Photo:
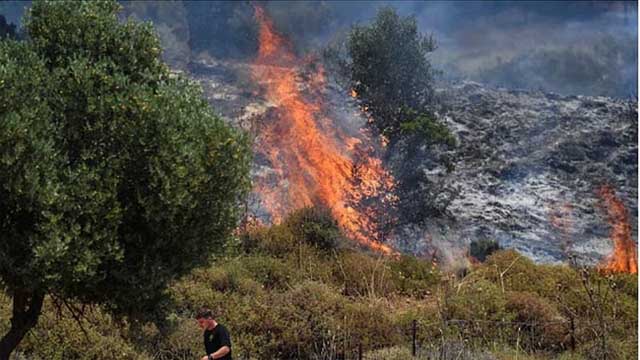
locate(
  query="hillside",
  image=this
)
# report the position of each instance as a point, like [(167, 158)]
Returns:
[(527, 170)]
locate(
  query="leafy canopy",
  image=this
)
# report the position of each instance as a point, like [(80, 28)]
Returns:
[(115, 175), (389, 69)]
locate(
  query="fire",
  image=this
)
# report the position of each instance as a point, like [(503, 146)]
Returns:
[(624, 257), (311, 157)]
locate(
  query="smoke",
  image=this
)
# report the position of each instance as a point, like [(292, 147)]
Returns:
[(568, 47)]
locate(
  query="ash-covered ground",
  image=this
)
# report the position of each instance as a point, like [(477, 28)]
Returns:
[(526, 170)]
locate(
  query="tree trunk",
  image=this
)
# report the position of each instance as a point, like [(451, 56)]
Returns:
[(26, 310)]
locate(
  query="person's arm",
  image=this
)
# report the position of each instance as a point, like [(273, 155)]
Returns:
[(220, 352)]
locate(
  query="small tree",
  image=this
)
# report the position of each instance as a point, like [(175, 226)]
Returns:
[(389, 69), (115, 177)]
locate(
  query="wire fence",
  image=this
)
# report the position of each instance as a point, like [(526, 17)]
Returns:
[(463, 340)]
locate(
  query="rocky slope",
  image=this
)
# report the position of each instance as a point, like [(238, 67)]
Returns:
[(526, 171)]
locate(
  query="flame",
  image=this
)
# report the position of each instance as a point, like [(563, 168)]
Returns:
[(310, 155), (624, 257)]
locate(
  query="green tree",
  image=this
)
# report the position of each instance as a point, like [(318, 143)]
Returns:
[(389, 69), (115, 176)]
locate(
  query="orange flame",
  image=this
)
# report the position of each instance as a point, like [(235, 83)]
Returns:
[(311, 156), (624, 257)]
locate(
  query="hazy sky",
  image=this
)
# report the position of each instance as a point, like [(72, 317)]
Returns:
[(572, 47)]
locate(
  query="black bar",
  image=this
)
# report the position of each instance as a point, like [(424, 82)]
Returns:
[(413, 331)]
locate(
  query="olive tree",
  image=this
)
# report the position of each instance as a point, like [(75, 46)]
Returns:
[(115, 175)]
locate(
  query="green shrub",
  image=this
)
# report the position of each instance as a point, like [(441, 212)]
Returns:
[(414, 276), (475, 309), (59, 336), (277, 240), (370, 323), (272, 273), (426, 128), (315, 226), (310, 315), (512, 271), (359, 274)]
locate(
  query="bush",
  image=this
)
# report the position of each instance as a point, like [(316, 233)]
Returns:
[(414, 276), (369, 323), (542, 328), (519, 273), (277, 240), (310, 317), (270, 272), (359, 274), (481, 249), (315, 226), (476, 310), (426, 129)]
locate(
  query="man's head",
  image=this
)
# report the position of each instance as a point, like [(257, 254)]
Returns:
[(205, 318)]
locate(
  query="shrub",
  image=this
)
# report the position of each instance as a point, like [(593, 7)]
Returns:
[(277, 240), (315, 226), (272, 273), (370, 324), (512, 271), (542, 326), (359, 274), (476, 309), (414, 276), (482, 248), (310, 317)]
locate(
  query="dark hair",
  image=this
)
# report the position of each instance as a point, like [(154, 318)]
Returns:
[(204, 313)]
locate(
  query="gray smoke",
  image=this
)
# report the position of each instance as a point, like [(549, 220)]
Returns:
[(568, 47)]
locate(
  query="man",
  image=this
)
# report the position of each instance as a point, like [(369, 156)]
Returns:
[(217, 342)]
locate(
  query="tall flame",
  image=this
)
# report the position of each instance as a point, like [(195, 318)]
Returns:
[(624, 257), (312, 158)]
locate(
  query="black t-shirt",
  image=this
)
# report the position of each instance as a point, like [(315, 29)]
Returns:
[(217, 338)]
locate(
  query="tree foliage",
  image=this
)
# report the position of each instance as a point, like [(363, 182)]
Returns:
[(389, 69), (115, 176)]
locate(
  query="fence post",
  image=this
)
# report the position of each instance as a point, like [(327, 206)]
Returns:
[(413, 336), (360, 351), (573, 335)]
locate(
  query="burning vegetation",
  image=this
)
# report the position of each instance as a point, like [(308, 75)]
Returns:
[(315, 162), (624, 258)]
